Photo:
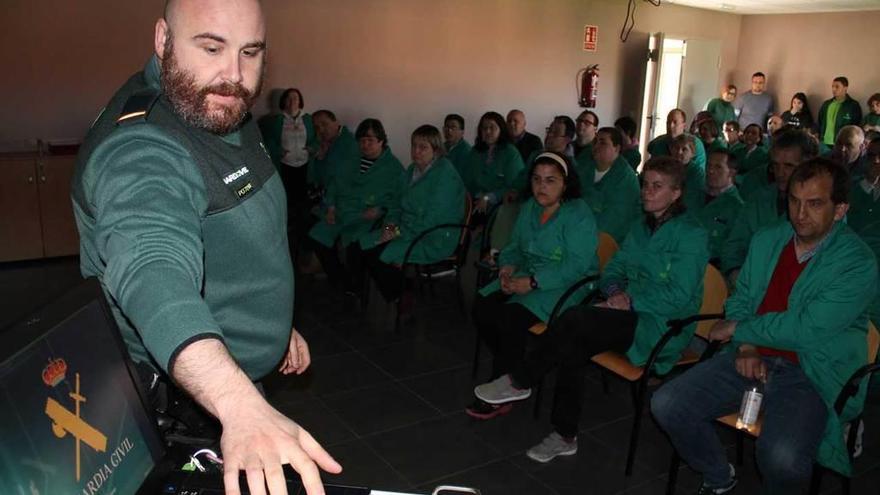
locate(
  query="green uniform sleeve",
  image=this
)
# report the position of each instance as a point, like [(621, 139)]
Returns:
[(148, 211), (814, 323), (622, 204), (734, 250), (675, 285), (511, 168), (579, 251), (512, 254), (444, 204)]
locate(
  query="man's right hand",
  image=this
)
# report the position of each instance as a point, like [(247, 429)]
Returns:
[(256, 438), (749, 363)]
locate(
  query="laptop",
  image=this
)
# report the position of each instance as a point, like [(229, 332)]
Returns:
[(73, 418)]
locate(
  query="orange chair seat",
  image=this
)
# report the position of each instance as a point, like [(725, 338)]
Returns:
[(619, 365), (730, 420)]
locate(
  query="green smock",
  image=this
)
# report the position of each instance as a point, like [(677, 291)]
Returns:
[(759, 210), (344, 152), (493, 178), (717, 217), (615, 199)]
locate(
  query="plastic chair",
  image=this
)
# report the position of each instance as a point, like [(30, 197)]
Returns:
[(849, 390)]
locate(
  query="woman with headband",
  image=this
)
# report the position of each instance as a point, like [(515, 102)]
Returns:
[(657, 275), (553, 245)]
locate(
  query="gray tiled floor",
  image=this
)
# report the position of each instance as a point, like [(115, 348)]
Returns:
[(389, 406)]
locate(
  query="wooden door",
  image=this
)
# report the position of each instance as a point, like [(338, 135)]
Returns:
[(20, 234), (60, 236)]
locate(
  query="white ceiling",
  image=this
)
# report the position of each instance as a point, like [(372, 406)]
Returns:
[(779, 6)]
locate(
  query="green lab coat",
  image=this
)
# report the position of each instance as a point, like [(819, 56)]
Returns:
[(352, 192), (659, 146), (721, 111), (663, 275), (459, 155), (343, 154), (864, 218), (436, 198), (615, 200), (825, 323), (717, 217), (558, 253), (758, 211), (493, 178), (632, 156), (694, 185), (751, 172)]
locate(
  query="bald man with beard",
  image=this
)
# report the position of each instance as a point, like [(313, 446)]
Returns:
[(181, 217)]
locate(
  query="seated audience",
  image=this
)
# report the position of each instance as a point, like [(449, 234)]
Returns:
[(849, 150), (752, 158), (494, 164), (656, 275), (630, 150), (766, 206), (774, 123), (587, 124), (722, 108), (708, 133), (430, 193), (337, 149), (732, 134), (683, 149), (458, 149), (609, 185), (526, 142), (872, 118), (864, 211), (838, 111), (358, 195), (676, 121), (721, 203), (798, 325), (798, 114), (553, 245)]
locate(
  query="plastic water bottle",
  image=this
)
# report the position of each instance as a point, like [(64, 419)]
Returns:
[(750, 407)]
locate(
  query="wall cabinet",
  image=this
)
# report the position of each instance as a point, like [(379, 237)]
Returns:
[(35, 206)]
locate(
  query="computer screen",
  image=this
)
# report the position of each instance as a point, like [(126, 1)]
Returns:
[(71, 417)]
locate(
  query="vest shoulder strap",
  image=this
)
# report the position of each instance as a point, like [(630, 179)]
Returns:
[(138, 106)]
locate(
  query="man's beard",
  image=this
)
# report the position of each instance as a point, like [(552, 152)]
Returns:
[(190, 102)]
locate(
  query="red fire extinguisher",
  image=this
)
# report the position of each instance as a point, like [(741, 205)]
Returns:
[(588, 86)]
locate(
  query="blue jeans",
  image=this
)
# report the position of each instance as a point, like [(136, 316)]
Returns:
[(794, 420)]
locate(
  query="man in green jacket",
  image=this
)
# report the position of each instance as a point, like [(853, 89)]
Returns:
[(676, 122), (609, 185), (838, 111), (864, 211), (722, 108), (337, 149), (458, 149), (767, 205), (798, 325), (722, 202), (181, 217)]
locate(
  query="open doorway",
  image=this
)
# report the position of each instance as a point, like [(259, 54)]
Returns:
[(680, 73)]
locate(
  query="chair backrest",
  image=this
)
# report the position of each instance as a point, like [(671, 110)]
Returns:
[(873, 342), (714, 295), (464, 238), (607, 248)]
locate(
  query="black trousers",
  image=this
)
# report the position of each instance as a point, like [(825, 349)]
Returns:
[(504, 328), (389, 278), (579, 334), (347, 276)]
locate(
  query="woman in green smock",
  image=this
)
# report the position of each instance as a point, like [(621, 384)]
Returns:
[(683, 148), (553, 246), (754, 161), (657, 275), (494, 164), (431, 193), (357, 197)]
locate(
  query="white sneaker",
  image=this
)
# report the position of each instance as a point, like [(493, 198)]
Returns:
[(551, 447), (501, 391)]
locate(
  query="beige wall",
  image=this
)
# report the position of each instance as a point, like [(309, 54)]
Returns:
[(406, 62), (805, 52)]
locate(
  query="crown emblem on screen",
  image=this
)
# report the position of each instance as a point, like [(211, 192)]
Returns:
[(54, 372)]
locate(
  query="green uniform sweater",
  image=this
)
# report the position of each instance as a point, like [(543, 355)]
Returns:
[(721, 111), (663, 274), (438, 197), (717, 217), (352, 192), (615, 200), (459, 155), (557, 253), (850, 113), (825, 323), (760, 210), (495, 177), (343, 154), (186, 230)]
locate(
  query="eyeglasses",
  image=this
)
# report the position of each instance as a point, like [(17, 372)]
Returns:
[(586, 121)]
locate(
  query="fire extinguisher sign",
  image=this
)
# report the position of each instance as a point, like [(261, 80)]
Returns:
[(591, 38)]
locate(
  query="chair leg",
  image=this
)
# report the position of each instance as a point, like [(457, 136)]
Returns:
[(639, 398), (539, 392), (672, 477), (459, 292), (816, 479)]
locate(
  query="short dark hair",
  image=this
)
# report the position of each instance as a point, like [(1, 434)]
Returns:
[(324, 113), (759, 74), (675, 170), (816, 167), (734, 124), (757, 126), (456, 117), (503, 136), (432, 135), (713, 127), (684, 115), (731, 87), (566, 121), (732, 161), (590, 112), (628, 125), (842, 80), (572, 181), (374, 125), (614, 133), (873, 99), (796, 138), (285, 97)]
